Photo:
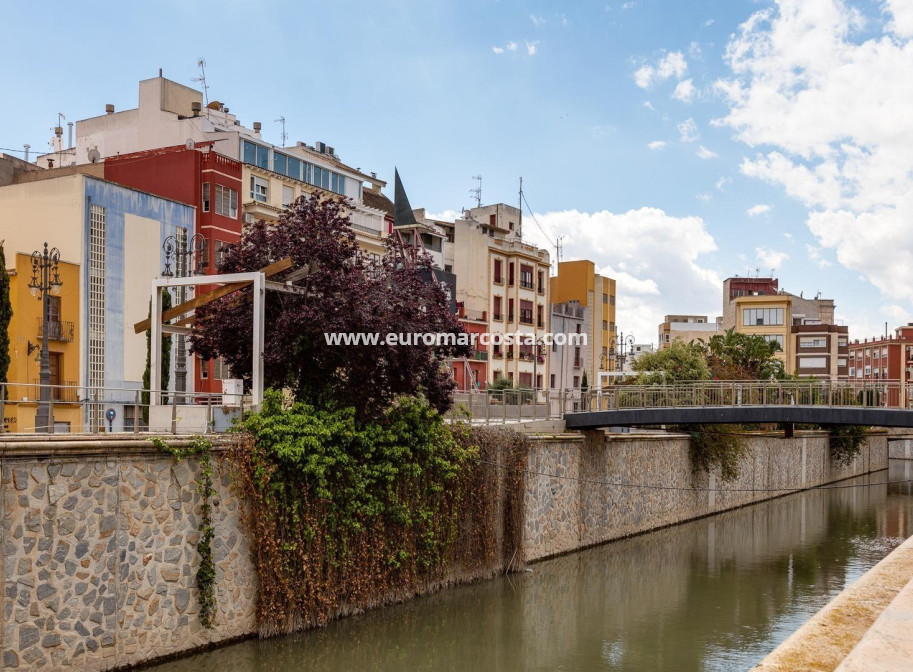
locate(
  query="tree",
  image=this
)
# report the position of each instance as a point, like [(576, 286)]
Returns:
[(6, 314), (344, 294), (735, 356), (584, 385), (680, 362), (165, 358)]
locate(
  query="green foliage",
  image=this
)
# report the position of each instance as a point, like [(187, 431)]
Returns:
[(500, 383), (345, 512), (680, 362), (715, 447), (584, 384), (206, 573), (735, 356), (165, 358), (6, 314), (846, 442)]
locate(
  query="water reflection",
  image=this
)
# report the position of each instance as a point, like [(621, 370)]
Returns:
[(714, 594)]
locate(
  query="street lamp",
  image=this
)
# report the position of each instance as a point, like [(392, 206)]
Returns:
[(45, 281), (622, 352), (193, 249)]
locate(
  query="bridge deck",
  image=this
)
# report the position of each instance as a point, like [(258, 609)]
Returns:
[(825, 415)]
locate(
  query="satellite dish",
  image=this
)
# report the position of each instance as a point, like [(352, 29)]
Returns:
[(190, 144), (94, 155)]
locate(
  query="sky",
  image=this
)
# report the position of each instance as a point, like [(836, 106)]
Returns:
[(672, 143)]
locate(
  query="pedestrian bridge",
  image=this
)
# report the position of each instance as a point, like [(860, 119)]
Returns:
[(820, 402)]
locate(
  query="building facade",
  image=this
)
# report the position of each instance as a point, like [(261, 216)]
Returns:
[(879, 360), (687, 328), (566, 361), (114, 235), (578, 281)]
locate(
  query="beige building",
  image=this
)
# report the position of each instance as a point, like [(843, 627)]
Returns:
[(578, 281), (770, 317), (687, 328), (504, 282)]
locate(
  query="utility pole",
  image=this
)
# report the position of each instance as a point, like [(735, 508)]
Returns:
[(41, 286)]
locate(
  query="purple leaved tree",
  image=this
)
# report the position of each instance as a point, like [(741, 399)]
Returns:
[(344, 294)]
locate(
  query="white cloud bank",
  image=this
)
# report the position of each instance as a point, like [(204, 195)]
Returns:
[(770, 258), (758, 209), (671, 65), (830, 112), (656, 144), (654, 256)]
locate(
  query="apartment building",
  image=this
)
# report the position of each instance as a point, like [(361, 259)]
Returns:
[(885, 359), (687, 328), (566, 361), (578, 281)]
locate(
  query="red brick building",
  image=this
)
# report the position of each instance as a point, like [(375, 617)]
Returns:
[(471, 373), (211, 182), (885, 359)]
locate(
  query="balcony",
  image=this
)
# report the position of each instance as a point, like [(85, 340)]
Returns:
[(480, 356), (65, 392), (498, 317), (57, 331), (526, 284)]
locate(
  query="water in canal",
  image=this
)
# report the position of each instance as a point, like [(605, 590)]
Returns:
[(714, 594)]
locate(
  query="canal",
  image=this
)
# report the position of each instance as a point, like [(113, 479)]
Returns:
[(714, 594)]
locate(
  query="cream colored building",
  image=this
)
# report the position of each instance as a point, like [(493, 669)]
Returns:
[(171, 114), (769, 316), (503, 281), (687, 328)]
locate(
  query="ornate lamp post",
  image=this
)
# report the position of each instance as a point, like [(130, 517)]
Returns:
[(622, 351), (45, 281), (192, 250)]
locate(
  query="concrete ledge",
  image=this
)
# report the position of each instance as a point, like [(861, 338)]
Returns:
[(824, 641)]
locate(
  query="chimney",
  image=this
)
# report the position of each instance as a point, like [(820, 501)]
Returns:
[(195, 107), (27, 147), (257, 127), (109, 108), (69, 134)]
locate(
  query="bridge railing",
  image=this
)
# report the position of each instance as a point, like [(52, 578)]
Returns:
[(885, 394)]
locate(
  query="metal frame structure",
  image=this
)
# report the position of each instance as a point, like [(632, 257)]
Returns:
[(257, 278)]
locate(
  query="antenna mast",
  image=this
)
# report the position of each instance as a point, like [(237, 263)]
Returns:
[(477, 192), (281, 120), (520, 204), (202, 78)]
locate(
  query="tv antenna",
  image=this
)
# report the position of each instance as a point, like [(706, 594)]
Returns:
[(477, 192), (281, 120), (201, 64)]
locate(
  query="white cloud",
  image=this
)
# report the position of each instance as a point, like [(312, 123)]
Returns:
[(759, 209), (511, 46), (705, 153), (497, 50), (770, 258), (901, 12), (532, 48), (628, 5), (445, 215), (684, 91), (722, 182), (694, 51), (814, 254), (704, 197), (709, 22), (688, 130), (656, 144), (537, 19), (659, 270), (649, 106), (671, 65), (788, 236), (831, 110)]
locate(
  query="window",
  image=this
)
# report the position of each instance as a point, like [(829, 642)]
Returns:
[(249, 152), (551, 381), (497, 308), (294, 168), (510, 274), (498, 277), (611, 326), (526, 276), (259, 189), (760, 317), (280, 163), (612, 300), (605, 325), (539, 281), (813, 342), (263, 156), (526, 312), (204, 368), (510, 310), (540, 321), (605, 298), (226, 202), (576, 356), (220, 369), (492, 220), (221, 250), (841, 362), (813, 362), (773, 337), (288, 195), (576, 382), (206, 197)]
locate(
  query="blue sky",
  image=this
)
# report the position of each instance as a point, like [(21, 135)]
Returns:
[(674, 143)]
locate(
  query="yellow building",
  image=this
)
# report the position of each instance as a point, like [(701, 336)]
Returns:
[(769, 316), (26, 328), (579, 281)]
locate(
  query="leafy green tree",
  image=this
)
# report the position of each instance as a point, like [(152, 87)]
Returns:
[(584, 384), (6, 314), (680, 362), (165, 358), (735, 356)]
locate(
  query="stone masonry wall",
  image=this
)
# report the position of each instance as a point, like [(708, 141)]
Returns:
[(99, 558), (570, 504)]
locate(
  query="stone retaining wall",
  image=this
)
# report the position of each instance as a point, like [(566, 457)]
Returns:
[(584, 490), (900, 450)]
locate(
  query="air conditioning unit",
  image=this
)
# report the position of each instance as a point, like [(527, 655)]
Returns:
[(249, 218), (321, 147), (232, 392)]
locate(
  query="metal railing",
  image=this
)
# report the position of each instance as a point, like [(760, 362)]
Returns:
[(78, 409), (514, 405), (868, 394), (58, 330)]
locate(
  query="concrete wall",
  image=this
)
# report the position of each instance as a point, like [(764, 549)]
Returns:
[(900, 450), (569, 504)]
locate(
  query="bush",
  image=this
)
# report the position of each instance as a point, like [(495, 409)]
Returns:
[(714, 448), (845, 442)]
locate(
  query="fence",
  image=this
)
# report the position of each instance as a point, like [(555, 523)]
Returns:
[(76, 409)]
